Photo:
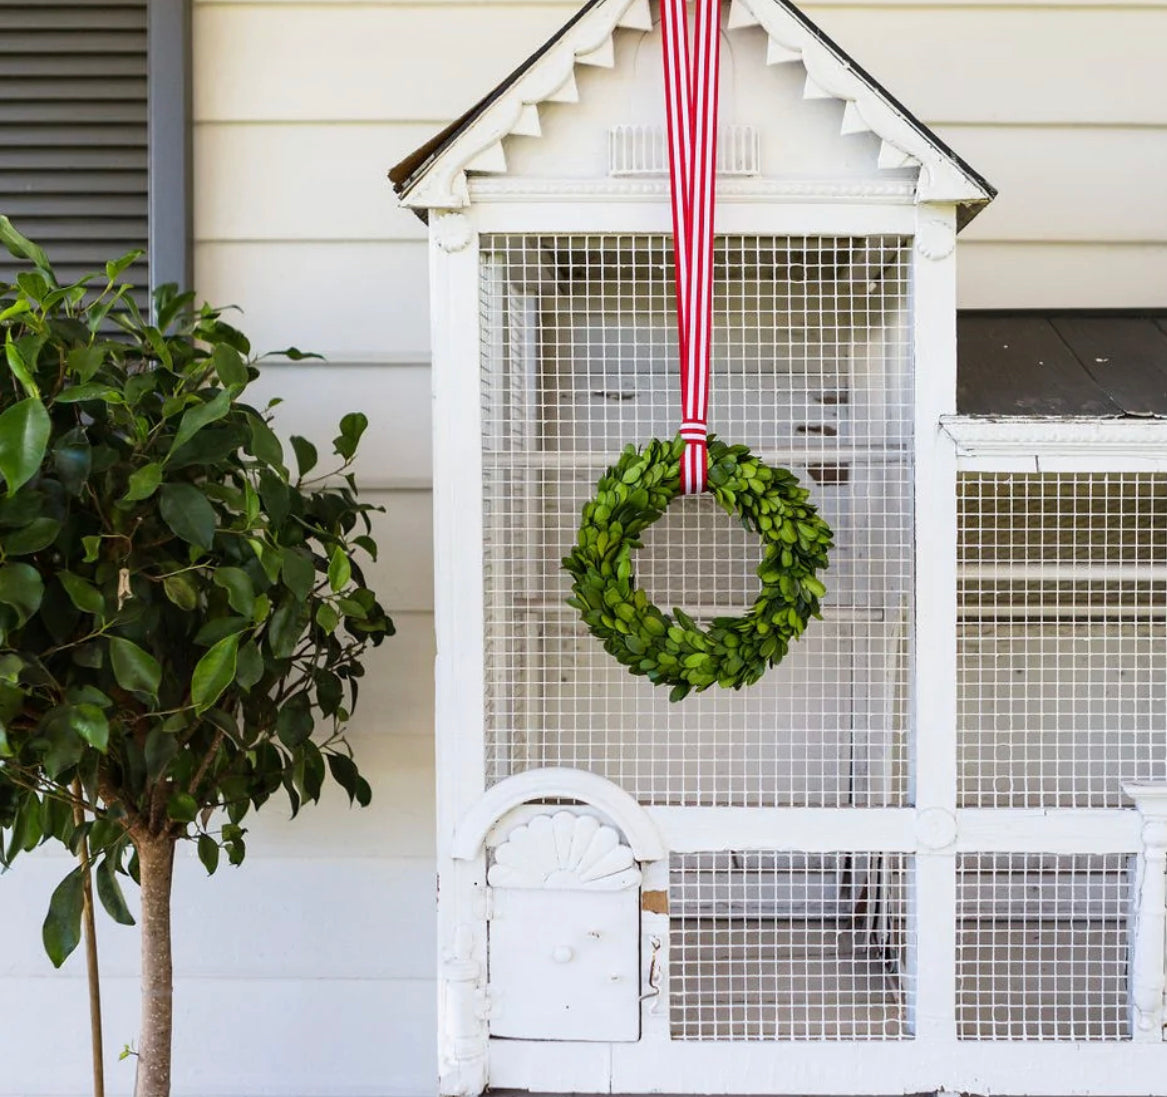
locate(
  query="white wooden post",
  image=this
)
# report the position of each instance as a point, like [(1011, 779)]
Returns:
[(934, 651), (1148, 973), (459, 671)]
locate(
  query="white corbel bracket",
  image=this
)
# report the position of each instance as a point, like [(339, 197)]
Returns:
[(1149, 965), (558, 783)]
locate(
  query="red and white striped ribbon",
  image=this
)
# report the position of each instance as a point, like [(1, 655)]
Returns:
[(691, 106)]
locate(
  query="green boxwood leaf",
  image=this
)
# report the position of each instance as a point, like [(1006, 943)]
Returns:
[(24, 437), (62, 928), (214, 672), (189, 514), (135, 670), (22, 588), (240, 592), (143, 483), (109, 891), (82, 593)]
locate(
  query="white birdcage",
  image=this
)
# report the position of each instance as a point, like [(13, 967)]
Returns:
[(901, 862)]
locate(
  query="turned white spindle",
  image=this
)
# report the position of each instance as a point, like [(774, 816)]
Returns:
[(1148, 973)]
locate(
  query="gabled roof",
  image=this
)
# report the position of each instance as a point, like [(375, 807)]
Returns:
[(434, 176)]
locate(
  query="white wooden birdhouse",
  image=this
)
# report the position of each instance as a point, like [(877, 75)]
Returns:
[(633, 888)]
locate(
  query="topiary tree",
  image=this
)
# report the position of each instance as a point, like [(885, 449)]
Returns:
[(182, 620)]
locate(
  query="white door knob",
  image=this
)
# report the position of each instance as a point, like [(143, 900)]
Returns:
[(562, 954)]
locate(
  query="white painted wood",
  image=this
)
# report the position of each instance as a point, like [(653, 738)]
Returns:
[(1040, 274), (934, 645), (458, 609), (339, 300), (1014, 62), (556, 783), (1148, 977), (1058, 445)]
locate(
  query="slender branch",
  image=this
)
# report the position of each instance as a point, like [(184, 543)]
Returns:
[(91, 965), (205, 764)]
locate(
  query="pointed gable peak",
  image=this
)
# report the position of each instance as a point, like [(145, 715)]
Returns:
[(434, 177)]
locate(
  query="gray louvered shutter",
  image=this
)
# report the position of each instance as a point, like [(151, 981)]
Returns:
[(73, 131)]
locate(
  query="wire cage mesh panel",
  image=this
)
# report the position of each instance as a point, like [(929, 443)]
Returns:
[(811, 368), (789, 946), (1042, 946), (1063, 646)]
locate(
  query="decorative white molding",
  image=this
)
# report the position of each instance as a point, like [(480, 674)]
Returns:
[(558, 783), (463, 1067), (564, 851), (442, 183), (1078, 439), (1149, 955), (655, 190), (451, 230), (935, 239), (639, 150)]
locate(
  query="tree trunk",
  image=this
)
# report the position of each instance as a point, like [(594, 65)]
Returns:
[(156, 871)]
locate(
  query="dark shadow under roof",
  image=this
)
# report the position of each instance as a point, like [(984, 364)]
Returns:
[(1062, 363)]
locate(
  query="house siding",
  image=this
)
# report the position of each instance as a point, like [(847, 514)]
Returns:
[(310, 970)]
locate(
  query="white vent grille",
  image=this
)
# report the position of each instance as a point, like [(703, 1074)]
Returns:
[(643, 150), (1063, 647), (811, 366), (1042, 946), (789, 946)]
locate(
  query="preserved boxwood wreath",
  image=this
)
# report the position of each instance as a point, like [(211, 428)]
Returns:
[(671, 649)]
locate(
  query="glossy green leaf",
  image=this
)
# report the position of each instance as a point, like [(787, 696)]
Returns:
[(109, 891), (89, 722), (143, 483), (189, 514), (24, 438), (22, 588), (62, 927), (92, 390), (182, 807), (114, 267), (264, 444), (208, 853), (73, 460), (285, 628), (327, 617), (23, 248), (214, 672), (182, 590), (306, 455), (344, 773), (37, 535), (340, 570), (299, 573), (82, 593), (352, 426), (229, 366), (21, 369), (199, 416), (85, 361), (240, 592), (135, 670), (249, 666)]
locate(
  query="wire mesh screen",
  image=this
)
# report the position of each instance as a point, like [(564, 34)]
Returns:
[(1063, 646), (1042, 946), (811, 368), (789, 946)]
